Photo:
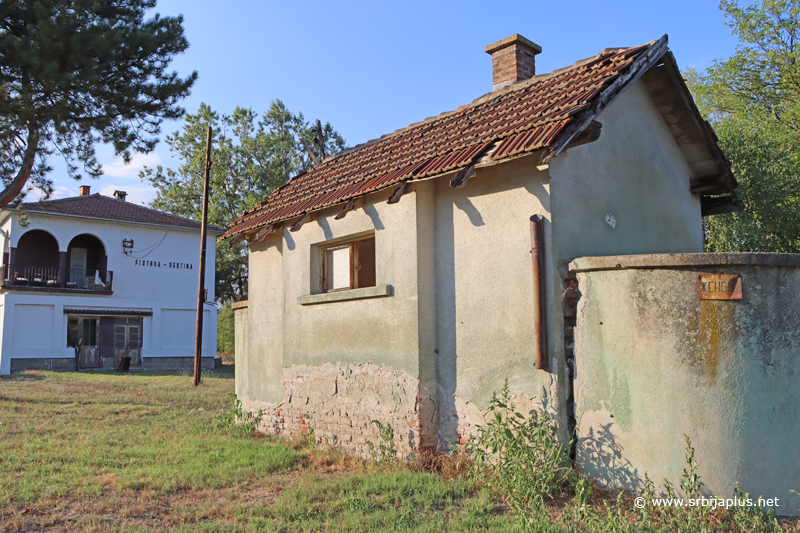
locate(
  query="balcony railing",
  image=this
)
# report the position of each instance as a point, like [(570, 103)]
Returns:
[(38, 278)]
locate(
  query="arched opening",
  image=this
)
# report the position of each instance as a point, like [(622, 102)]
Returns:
[(35, 260), (87, 262)]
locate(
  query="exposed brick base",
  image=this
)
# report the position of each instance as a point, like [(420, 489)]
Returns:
[(571, 296), (459, 419), (339, 403)]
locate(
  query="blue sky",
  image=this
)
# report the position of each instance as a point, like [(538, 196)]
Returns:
[(370, 68)]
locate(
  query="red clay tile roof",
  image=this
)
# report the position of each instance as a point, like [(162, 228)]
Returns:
[(107, 208), (525, 117)]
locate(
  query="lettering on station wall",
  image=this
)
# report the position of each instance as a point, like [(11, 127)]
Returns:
[(166, 264), (720, 287)]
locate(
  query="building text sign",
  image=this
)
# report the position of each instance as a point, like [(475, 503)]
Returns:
[(159, 264), (720, 287)]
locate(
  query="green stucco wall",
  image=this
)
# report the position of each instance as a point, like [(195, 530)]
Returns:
[(637, 174), (484, 284), (240, 336), (654, 363)]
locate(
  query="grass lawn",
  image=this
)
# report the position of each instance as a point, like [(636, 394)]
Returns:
[(101, 451)]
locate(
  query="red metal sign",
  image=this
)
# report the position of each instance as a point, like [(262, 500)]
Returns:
[(720, 286)]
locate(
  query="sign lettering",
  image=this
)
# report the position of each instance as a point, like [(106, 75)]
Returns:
[(158, 264), (720, 287)]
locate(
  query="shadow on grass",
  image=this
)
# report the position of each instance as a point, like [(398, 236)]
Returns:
[(222, 372), (22, 376)]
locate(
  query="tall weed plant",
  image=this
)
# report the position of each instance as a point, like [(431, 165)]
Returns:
[(386, 453), (521, 456), (237, 420)]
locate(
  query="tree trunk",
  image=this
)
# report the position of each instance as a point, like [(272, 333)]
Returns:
[(13, 189)]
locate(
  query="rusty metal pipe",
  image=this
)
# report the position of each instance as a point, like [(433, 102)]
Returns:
[(539, 323)]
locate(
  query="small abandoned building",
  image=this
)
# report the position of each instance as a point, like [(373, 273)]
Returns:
[(404, 280), (99, 279)]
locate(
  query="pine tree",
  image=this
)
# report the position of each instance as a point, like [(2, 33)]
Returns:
[(74, 73)]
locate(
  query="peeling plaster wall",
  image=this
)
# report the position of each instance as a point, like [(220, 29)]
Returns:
[(434, 242), (655, 363), (338, 403), (635, 173), (394, 332)]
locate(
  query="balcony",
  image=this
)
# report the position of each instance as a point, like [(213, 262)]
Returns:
[(53, 279)]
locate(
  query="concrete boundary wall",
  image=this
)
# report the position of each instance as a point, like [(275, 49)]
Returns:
[(655, 362)]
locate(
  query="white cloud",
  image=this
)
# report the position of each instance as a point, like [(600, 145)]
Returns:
[(59, 191), (117, 168)]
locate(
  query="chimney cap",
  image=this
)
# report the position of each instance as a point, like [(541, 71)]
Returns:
[(84, 190), (120, 195), (514, 39)]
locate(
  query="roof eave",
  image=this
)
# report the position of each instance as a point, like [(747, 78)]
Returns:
[(114, 220)]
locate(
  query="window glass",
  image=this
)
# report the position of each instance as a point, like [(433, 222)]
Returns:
[(127, 333), (89, 332), (339, 268)]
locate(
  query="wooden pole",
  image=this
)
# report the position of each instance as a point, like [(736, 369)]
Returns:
[(308, 149), (201, 293), (321, 140)]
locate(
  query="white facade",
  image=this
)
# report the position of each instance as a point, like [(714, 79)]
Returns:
[(156, 279)]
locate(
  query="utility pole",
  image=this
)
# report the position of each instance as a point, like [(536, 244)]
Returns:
[(201, 292)]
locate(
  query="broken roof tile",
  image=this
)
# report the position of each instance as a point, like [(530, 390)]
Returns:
[(523, 117)]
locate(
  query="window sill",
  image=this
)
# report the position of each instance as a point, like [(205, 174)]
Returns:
[(378, 291)]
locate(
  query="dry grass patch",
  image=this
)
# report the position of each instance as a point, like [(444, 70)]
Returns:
[(100, 451)]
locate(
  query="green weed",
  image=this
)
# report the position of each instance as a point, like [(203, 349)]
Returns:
[(237, 420), (521, 456), (386, 452)]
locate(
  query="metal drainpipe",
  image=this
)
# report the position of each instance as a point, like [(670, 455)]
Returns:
[(539, 331)]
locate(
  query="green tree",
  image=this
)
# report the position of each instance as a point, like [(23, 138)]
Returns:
[(251, 156), (78, 72), (752, 100), (226, 329)]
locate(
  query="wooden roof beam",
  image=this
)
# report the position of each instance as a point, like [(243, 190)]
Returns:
[(589, 135), (641, 65), (236, 240), (711, 184), (308, 217), (462, 176), (719, 204), (399, 192), (263, 232), (349, 206)]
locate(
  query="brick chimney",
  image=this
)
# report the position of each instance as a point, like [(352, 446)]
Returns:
[(120, 195), (512, 60), (84, 190)]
